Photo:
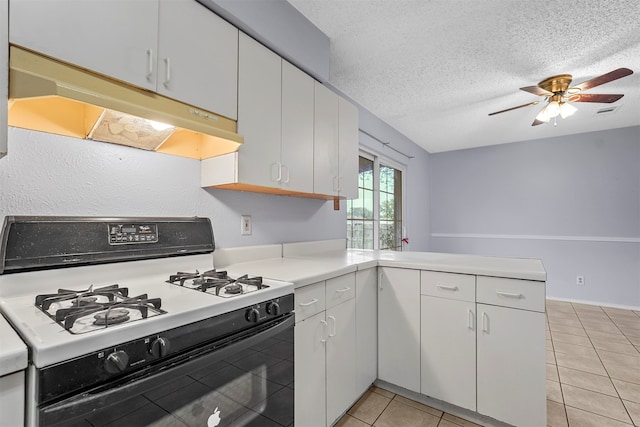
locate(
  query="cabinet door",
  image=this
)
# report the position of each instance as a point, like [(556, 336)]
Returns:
[(366, 329), (511, 365), (341, 359), (448, 350), (297, 129), (4, 67), (325, 141), (399, 327), (197, 57), (348, 146), (117, 38), (259, 113), (309, 371)]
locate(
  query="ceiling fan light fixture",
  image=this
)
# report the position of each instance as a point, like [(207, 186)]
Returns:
[(553, 109), (567, 110), (543, 115)]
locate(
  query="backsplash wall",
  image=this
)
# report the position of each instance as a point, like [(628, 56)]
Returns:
[(46, 174)]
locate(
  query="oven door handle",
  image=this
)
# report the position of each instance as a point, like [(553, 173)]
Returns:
[(100, 397)]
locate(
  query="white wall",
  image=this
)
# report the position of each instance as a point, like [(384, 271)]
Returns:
[(572, 201), (45, 174)]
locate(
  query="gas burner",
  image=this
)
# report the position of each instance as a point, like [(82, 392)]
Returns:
[(91, 309), (197, 279), (233, 288), (111, 317), (83, 301), (217, 282)]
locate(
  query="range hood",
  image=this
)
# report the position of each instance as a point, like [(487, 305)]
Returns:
[(51, 96)]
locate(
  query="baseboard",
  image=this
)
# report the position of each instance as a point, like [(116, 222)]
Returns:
[(459, 412), (601, 304)]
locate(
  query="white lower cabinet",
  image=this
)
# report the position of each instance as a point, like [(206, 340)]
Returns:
[(448, 350), (325, 351), (511, 365), (399, 327), (310, 380), (366, 328)]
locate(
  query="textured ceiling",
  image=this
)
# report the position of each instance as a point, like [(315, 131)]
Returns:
[(434, 69)]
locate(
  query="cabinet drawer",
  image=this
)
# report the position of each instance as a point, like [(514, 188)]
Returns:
[(309, 300), (523, 294), (448, 285), (341, 289)]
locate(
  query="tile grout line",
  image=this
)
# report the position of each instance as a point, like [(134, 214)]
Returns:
[(603, 365)]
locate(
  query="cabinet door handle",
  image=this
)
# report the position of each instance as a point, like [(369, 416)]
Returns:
[(167, 71), (340, 183), (333, 334), (306, 304), (340, 291), (447, 288), (336, 187), (485, 322), (325, 330), (286, 169), (149, 64), (470, 319), (509, 294), (380, 278)]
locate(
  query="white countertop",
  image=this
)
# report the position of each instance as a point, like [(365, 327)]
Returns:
[(311, 268), (13, 352)]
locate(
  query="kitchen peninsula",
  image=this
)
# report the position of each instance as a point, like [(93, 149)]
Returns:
[(462, 333)]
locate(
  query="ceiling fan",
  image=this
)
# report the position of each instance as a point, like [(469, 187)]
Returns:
[(558, 94)]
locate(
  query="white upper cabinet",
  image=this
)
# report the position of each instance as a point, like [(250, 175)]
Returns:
[(276, 118), (335, 151), (325, 146), (4, 59), (174, 47), (297, 130), (348, 149), (259, 113), (117, 38), (197, 59)]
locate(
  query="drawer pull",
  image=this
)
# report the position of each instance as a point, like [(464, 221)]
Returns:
[(333, 334), (509, 294), (306, 304), (325, 330), (340, 291), (447, 288)]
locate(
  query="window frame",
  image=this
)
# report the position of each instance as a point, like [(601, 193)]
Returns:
[(378, 159)]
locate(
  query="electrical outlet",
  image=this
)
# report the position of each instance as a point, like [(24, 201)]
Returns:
[(580, 280), (245, 225)]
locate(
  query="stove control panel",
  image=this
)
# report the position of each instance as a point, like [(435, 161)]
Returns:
[(125, 234)]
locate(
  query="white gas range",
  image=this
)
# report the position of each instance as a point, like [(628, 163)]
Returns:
[(139, 305)]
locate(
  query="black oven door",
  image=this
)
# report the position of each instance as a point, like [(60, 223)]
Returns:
[(248, 382)]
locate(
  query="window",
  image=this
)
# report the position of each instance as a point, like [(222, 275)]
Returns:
[(374, 219)]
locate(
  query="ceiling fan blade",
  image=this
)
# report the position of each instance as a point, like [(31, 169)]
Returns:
[(514, 108), (536, 90), (537, 122), (593, 97), (605, 78)]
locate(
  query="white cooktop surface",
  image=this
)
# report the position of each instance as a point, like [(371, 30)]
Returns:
[(51, 343)]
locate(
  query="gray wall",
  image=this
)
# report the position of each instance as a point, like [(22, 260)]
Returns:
[(45, 174), (572, 201)]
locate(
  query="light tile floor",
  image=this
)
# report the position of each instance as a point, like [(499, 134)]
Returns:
[(593, 376)]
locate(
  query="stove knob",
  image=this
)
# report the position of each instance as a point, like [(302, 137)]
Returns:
[(273, 308), (253, 315), (116, 362), (159, 347)]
